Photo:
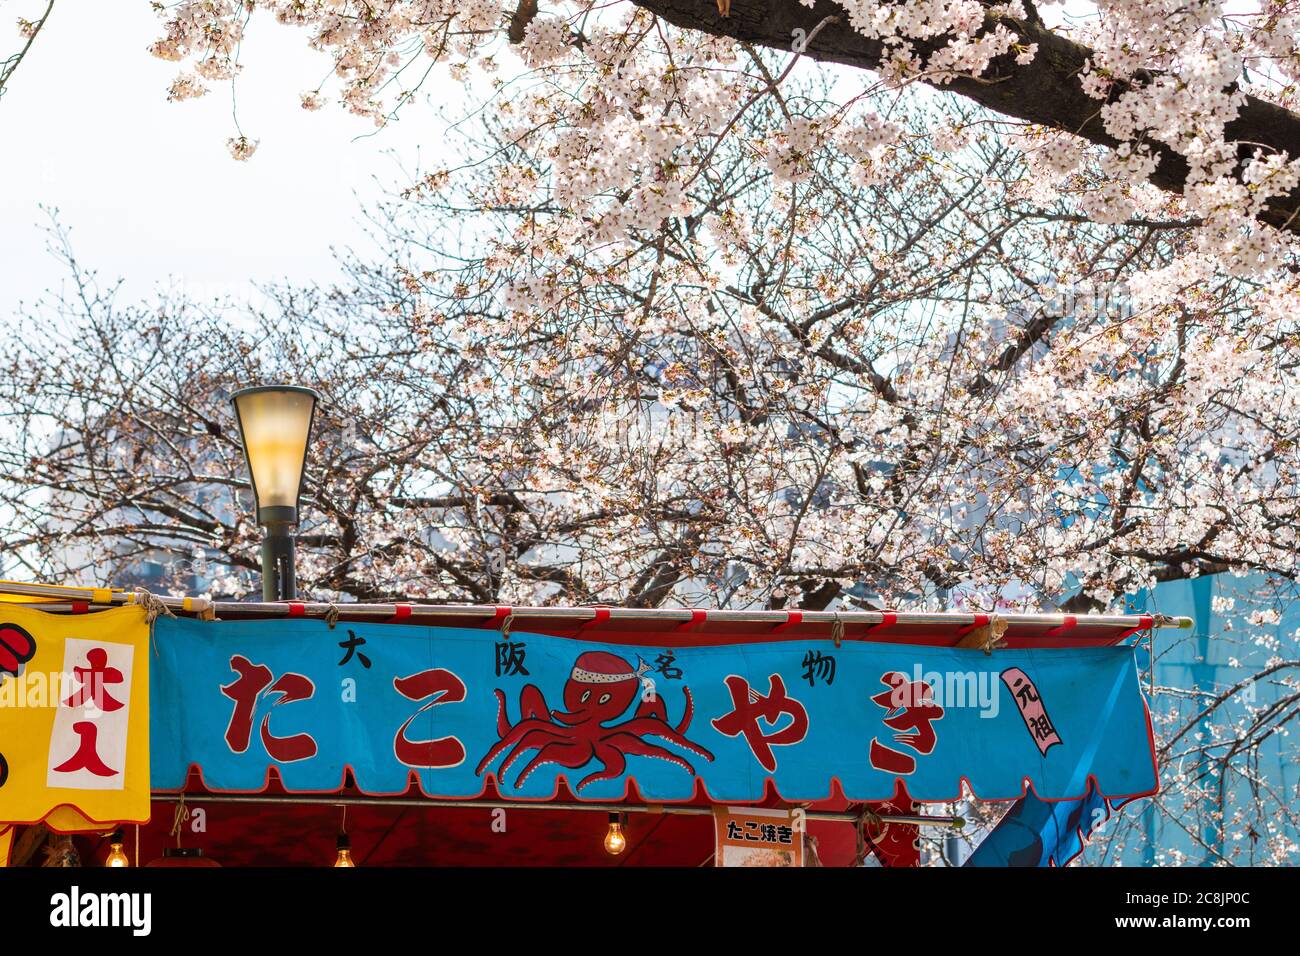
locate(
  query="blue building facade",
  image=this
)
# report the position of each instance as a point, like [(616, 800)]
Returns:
[(1222, 802)]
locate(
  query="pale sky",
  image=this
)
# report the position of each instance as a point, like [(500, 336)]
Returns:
[(148, 187)]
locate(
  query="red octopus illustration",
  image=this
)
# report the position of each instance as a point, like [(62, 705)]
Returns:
[(600, 689)]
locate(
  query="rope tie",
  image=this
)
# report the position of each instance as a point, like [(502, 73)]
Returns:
[(154, 607), (178, 820), (987, 637), (872, 823), (332, 615), (505, 625), (867, 819), (837, 630), (996, 628), (810, 855)]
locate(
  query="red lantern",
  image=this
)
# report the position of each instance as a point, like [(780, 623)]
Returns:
[(183, 856)]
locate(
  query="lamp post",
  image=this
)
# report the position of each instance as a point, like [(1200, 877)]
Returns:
[(275, 426)]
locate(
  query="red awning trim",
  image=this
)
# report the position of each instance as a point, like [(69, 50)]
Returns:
[(791, 619), (602, 615), (563, 792), (1146, 623), (980, 621), (289, 831), (1069, 624), (684, 627), (887, 619), (698, 617)]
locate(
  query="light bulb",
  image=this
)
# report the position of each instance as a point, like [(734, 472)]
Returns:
[(345, 852), (116, 858), (615, 841)]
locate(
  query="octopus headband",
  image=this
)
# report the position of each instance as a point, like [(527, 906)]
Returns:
[(591, 677)]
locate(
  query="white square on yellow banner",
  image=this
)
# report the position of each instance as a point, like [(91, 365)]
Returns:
[(91, 725)]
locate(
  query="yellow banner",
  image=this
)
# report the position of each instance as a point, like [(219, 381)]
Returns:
[(74, 718)]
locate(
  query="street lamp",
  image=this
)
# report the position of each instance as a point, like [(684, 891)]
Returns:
[(275, 425)]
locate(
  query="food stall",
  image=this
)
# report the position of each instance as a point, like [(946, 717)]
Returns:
[(190, 732)]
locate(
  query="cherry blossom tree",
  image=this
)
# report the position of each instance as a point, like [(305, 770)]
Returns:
[(1193, 98), (613, 134), (822, 378)]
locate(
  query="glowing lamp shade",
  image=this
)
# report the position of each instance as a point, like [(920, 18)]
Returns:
[(275, 424)]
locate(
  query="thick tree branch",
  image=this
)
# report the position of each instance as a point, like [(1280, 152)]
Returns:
[(1045, 91), (524, 14)]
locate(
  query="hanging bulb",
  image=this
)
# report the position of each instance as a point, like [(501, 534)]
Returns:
[(615, 841), (344, 844), (116, 857), (345, 852)]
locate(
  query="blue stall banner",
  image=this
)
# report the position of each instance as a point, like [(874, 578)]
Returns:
[(1045, 833), (455, 706)]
